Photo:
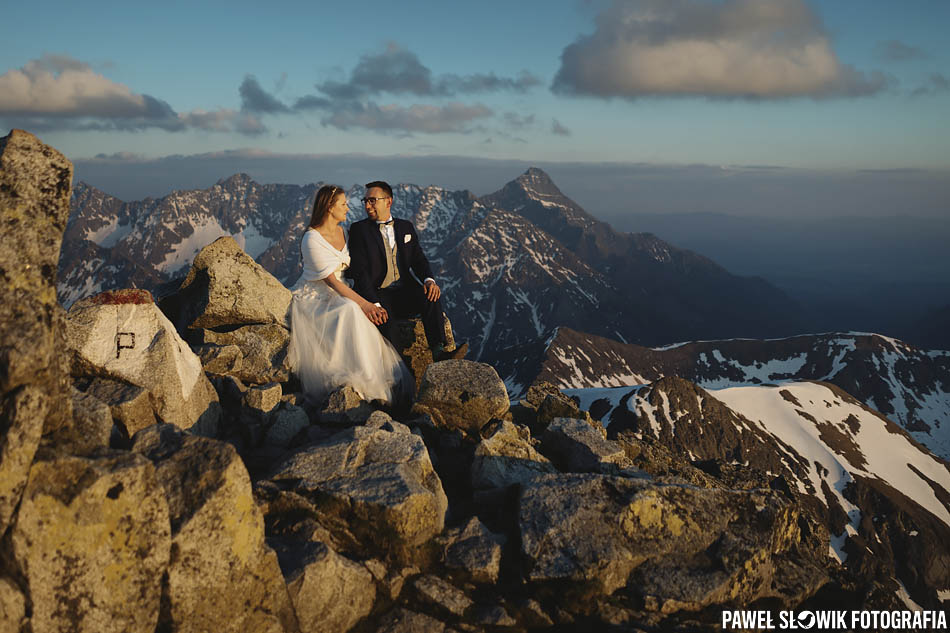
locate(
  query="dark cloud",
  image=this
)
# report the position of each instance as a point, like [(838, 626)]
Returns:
[(399, 71), (312, 102), (453, 84), (558, 129), (57, 92), (897, 51), (396, 70), (936, 84), (755, 49), (256, 99)]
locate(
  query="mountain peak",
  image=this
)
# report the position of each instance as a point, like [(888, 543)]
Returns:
[(237, 179), (537, 181), (535, 175), (533, 185)]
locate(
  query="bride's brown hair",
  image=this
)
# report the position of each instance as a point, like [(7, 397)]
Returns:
[(321, 205)]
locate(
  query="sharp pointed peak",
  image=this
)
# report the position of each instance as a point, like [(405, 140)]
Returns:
[(534, 182), (535, 173), (237, 179)]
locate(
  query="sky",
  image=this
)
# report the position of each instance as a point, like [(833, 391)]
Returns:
[(729, 106)]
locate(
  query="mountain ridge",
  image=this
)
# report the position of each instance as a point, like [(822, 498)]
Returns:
[(626, 286), (909, 385)]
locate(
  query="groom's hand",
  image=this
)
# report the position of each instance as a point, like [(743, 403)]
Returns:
[(432, 290)]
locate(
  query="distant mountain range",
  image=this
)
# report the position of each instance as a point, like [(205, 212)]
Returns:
[(515, 265)]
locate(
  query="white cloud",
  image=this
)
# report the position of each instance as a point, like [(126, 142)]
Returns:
[(61, 86), (58, 92), (760, 49)]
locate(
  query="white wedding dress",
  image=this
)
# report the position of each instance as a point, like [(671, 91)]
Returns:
[(332, 343)]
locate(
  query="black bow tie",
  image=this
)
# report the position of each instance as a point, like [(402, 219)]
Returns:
[(386, 223)]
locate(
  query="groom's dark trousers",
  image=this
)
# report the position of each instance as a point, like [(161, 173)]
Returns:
[(407, 297)]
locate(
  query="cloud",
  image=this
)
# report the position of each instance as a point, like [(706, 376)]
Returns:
[(936, 84), (223, 120), (57, 92), (395, 71), (256, 99), (59, 86), (896, 51), (399, 71), (756, 49), (558, 129), (452, 117), (453, 84), (517, 121), (312, 102)]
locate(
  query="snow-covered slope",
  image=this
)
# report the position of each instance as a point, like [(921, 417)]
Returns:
[(883, 496), (909, 385)]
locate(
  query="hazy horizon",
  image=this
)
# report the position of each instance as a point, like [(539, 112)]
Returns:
[(606, 190)]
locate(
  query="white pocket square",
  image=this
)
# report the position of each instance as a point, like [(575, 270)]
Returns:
[(406, 238)]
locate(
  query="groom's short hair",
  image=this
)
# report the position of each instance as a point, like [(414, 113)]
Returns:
[(381, 185)]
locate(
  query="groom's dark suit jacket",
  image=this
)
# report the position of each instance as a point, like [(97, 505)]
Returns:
[(368, 256)]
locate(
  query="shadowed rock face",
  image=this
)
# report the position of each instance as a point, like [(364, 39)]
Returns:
[(92, 541), (330, 592), (223, 576), (382, 482), (35, 182), (594, 530)]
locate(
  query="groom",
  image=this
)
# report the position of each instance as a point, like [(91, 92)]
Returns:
[(384, 255)]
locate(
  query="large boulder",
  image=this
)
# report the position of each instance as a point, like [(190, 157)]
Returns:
[(91, 429), (223, 577), (123, 335), (507, 457), (262, 352), (462, 394), (330, 592), (442, 595), (380, 482), (92, 541), (129, 405), (405, 621), (576, 446), (12, 606), (21, 425), (473, 551), (35, 186), (226, 287), (593, 531)]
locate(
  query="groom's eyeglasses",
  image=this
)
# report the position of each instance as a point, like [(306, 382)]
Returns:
[(373, 201)]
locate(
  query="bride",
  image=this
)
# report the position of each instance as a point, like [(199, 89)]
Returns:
[(333, 339)]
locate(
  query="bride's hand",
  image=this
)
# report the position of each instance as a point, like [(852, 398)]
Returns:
[(376, 314)]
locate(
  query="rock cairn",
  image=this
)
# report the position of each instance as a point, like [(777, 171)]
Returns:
[(161, 471)]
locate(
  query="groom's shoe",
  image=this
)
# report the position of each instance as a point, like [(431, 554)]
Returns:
[(454, 354)]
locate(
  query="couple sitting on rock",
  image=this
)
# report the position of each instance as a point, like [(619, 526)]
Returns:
[(339, 333)]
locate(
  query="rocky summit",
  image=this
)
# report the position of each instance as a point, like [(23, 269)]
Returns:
[(160, 469)]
